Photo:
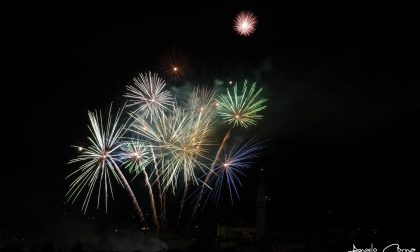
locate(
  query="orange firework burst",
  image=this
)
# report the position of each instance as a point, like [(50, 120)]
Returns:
[(176, 65), (245, 23)]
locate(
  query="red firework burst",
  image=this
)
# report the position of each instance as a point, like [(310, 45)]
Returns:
[(176, 65), (245, 23)]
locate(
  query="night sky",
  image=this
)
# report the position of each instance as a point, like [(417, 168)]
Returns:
[(342, 122)]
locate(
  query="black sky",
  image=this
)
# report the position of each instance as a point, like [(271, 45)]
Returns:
[(343, 115)]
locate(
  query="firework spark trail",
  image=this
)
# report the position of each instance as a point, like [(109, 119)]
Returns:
[(184, 196), (99, 162), (152, 200), (148, 95), (164, 221), (239, 110), (201, 101), (156, 171), (237, 157), (133, 199), (136, 158), (177, 138), (209, 174), (182, 137), (162, 197)]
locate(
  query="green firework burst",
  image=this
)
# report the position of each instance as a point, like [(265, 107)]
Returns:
[(136, 156), (241, 108)]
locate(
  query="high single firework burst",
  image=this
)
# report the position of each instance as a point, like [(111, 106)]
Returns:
[(242, 108), (148, 96), (245, 23), (176, 64), (230, 167)]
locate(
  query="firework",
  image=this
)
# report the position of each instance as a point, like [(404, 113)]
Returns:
[(236, 158), (203, 100), (202, 104), (239, 110), (209, 175), (135, 156), (189, 152), (242, 109), (151, 200), (100, 163), (148, 95), (244, 23), (176, 65), (161, 194), (181, 205), (181, 138), (169, 145)]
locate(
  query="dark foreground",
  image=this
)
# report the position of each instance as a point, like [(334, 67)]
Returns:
[(224, 238)]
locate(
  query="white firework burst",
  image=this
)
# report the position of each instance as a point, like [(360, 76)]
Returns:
[(135, 156), (148, 96), (99, 160)]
